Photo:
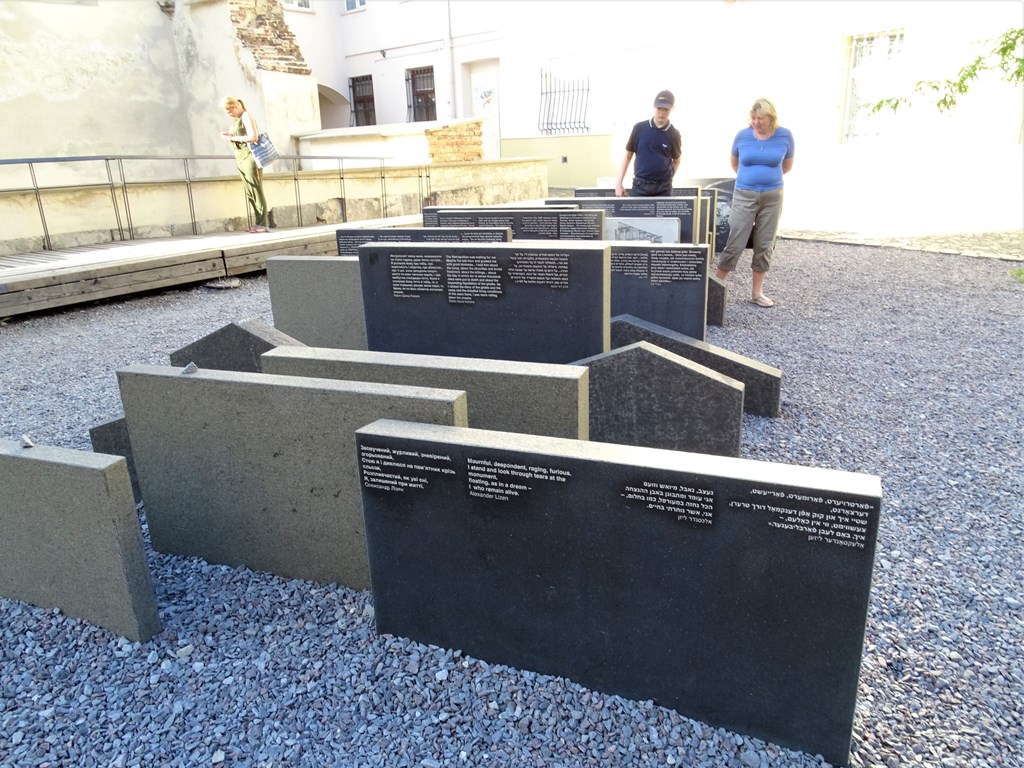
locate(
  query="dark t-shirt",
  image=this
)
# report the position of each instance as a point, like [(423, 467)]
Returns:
[(653, 150)]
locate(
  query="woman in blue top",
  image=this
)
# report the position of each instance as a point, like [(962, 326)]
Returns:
[(761, 154)]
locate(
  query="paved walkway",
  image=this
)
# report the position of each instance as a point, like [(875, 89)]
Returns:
[(1007, 244)]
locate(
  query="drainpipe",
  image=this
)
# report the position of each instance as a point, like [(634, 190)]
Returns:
[(452, 111)]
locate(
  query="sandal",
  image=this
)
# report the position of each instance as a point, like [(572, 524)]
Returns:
[(762, 301)]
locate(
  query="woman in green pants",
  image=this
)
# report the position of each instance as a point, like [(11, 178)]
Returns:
[(242, 131)]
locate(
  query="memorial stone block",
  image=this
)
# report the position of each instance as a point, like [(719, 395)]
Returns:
[(256, 470), (610, 192), (547, 223), (642, 395), (429, 212), (70, 538), (534, 398), (663, 283), (718, 293), (534, 302), (686, 209), (234, 347), (723, 189), (318, 300), (733, 591), (349, 240), (112, 438), (762, 382)]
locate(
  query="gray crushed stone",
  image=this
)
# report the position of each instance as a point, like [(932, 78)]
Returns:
[(897, 363)]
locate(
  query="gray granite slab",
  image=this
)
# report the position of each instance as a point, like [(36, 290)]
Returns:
[(257, 470), (535, 398), (70, 538), (233, 347), (318, 300)]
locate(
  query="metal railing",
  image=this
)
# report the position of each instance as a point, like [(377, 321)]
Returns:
[(118, 181)]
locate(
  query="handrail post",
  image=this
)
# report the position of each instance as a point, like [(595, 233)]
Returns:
[(124, 193), (47, 244), (113, 199), (191, 201), (298, 194)]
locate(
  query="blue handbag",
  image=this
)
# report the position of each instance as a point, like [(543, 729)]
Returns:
[(263, 150)]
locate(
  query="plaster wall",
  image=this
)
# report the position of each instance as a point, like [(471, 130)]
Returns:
[(89, 79)]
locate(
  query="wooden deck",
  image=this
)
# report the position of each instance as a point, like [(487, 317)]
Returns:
[(34, 282)]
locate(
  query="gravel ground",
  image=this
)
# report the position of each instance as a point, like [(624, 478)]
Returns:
[(897, 363)]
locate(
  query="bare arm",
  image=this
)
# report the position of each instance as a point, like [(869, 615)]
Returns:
[(623, 166), (787, 165), (734, 161)]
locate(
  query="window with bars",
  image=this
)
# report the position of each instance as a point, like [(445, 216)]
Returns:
[(563, 104), (360, 91), (874, 62), (419, 92)]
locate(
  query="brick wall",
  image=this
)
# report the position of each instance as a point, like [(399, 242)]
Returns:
[(261, 28), (456, 143)]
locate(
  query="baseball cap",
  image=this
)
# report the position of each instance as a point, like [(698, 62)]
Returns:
[(665, 99)]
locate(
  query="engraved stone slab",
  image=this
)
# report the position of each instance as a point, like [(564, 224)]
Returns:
[(547, 223), (349, 240), (429, 213), (651, 230), (259, 470), (610, 191), (318, 300), (70, 538), (642, 395), (733, 591), (762, 382), (234, 347), (535, 302), (533, 398), (686, 209), (662, 283)]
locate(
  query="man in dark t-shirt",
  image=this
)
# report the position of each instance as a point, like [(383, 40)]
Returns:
[(655, 146)]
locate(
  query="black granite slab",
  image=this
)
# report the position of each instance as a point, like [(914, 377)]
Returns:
[(686, 209), (733, 591), (763, 382), (349, 240), (663, 283), (610, 191), (641, 394), (429, 212), (536, 302), (723, 206), (529, 223)]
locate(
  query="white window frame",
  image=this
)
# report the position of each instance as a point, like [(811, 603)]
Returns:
[(352, 6), (298, 5), (874, 62)]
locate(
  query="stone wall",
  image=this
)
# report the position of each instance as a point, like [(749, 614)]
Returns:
[(262, 29), (458, 142)]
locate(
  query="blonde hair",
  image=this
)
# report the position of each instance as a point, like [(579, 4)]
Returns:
[(764, 107), (231, 101)]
